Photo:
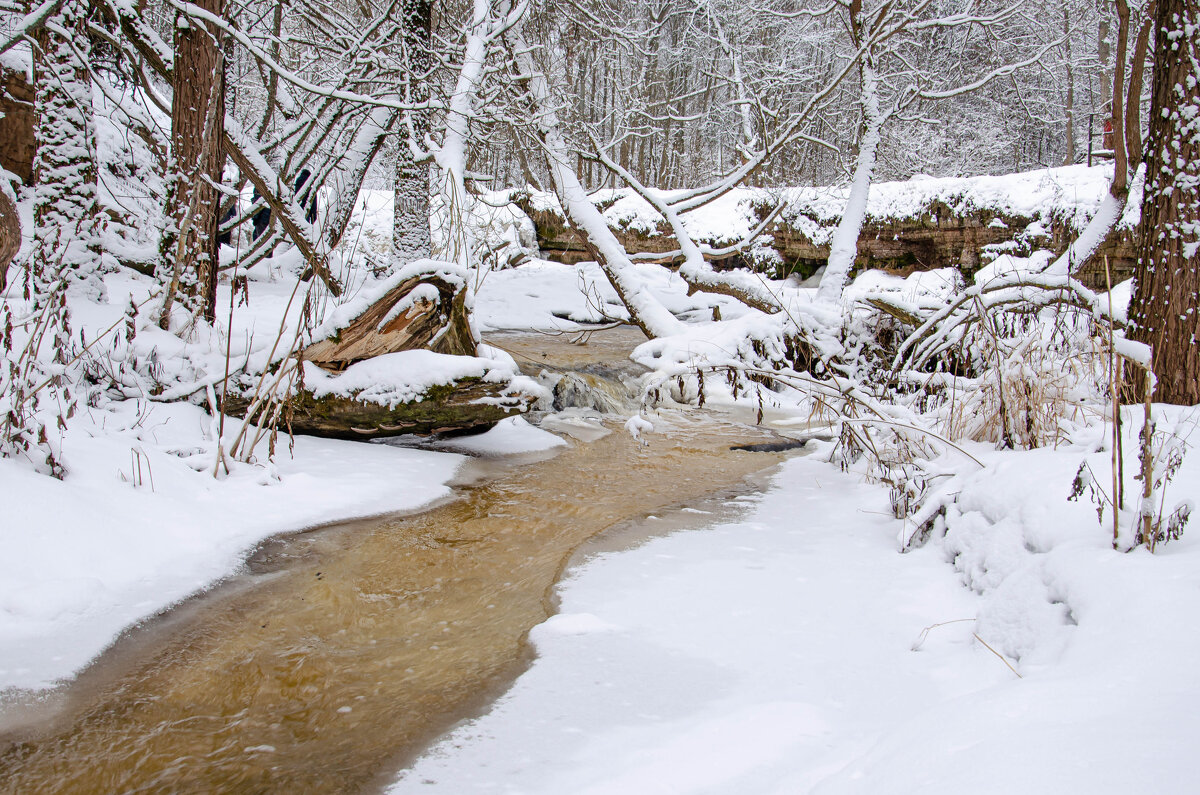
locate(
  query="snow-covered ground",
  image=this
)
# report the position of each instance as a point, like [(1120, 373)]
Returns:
[(140, 522), (787, 652), (1070, 194), (782, 651)]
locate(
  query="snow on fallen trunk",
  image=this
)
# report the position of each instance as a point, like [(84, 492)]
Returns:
[(408, 392)]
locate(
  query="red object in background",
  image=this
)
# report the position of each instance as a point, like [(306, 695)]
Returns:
[(1108, 142)]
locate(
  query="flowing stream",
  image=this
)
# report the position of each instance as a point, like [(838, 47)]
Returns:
[(339, 653)]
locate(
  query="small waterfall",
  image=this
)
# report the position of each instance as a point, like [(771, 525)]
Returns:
[(587, 389)]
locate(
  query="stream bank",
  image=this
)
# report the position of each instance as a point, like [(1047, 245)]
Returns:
[(337, 655)]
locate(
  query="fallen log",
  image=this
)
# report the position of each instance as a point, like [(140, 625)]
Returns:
[(399, 360), (468, 405)]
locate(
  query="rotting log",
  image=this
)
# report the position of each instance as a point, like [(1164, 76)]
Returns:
[(426, 311), (441, 325), (470, 405)]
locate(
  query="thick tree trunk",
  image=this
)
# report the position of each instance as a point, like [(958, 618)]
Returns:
[(410, 234), (1165, 312), (17, 142), (197, 126), (64, 209)]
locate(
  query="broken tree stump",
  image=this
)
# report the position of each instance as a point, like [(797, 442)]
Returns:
[(424, 310)]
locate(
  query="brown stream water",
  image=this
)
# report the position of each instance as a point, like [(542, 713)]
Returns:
[(340, 653)]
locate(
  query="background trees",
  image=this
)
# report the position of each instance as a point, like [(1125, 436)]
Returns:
[(229, 111)]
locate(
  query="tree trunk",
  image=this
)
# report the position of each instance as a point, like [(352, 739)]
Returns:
[(410, 233), (470, 405), (844, 245), (17, 142), (1070, 155), (1165, 312), (190, 243), (1104, 53), (64, 209), (426, 310)]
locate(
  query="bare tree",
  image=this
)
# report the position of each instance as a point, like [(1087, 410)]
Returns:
[(891, 79)]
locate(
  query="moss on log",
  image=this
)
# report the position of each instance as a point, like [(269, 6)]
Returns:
[(467, 406), (449, 409)]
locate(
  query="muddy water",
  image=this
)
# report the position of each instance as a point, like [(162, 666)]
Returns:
[(342, 652)]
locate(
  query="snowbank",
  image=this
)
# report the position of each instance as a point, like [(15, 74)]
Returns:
[(1070, 195), (140, 523), (793, 650)]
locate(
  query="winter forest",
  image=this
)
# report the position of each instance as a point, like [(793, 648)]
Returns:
[(599, 396)]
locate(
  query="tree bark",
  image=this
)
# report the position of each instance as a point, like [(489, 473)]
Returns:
[(17, 141), (435, 319), (1070, 155), (64, 207), (190, 244), (410, 233), (1165, 312), (470, 405), (10, 232)]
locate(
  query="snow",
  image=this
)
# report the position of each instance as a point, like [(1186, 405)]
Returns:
[(792, 650), (140, 522), (508, 437), (1070, 195), (497, 225), (85, 557), (789, 648), (405, 376)]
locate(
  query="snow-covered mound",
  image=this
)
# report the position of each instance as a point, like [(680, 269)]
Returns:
[(407, 376), (1070, 195)]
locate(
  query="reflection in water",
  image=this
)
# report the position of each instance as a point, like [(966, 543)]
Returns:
[(342, 652)]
